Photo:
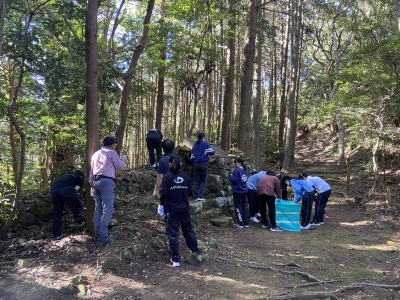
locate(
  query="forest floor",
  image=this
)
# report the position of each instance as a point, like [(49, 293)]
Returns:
[(354, 255)]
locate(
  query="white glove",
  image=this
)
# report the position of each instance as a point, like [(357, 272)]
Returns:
[(160, 210)]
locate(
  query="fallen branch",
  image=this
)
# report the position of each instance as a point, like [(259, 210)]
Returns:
[(366, 284), (5, 263)]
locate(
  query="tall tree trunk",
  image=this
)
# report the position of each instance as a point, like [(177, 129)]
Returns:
[(247, 77), (123, 103), (291, 118), (257, 105), (2, 18), (161, 70), (284, 66), (229, 81), (341, 158), (92, 108), (18, 183)]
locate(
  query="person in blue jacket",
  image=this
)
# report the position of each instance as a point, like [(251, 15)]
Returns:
[(239, 189), (304, 192), (323, 192), (200, 156), (254, 205)]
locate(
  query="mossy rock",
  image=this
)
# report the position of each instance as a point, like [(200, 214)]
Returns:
[(126, 254), (222, 221), (108, 262), (196, 207), (212, 243)]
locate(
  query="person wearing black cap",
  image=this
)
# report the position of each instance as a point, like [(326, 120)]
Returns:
[(153, 140), (64, 191), (200, 156), (102, 181)]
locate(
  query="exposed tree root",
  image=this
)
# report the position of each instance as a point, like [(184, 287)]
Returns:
[(289, 265), (304, 275), (314, 281)]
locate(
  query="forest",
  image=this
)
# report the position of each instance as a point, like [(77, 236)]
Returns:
[(252, 75)]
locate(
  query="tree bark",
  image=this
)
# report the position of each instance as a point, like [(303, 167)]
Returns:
[(284, 66), (229, 81), (92, 109), (161, 70), (123, 103), (257, 111), (14, 122), (2, 18), (247, 78), (291, 118)]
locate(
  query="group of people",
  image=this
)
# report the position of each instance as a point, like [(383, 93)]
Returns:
[(173, 188), (263, 188)]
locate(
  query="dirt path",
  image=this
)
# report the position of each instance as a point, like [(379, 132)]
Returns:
[(357, 244)]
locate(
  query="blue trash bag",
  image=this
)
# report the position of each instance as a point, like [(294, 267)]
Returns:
[(287, 215)]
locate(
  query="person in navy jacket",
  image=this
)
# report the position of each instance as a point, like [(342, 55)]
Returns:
[(239, 189), (305, 192), (65, 191), (200, 156)]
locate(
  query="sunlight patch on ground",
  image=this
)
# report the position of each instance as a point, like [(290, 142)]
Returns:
[(359, 223), (381, 247), (226, 282)]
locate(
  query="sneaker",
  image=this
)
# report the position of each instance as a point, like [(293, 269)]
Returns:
[(163, 231), (240, 226), (105, 240), (247, 226), (175, 264), (276, 228), (95, 238), (153, 165), (59, 237), (201, 199), (326, 216), (254, 219), (321, 223), (258, 215), (305, 227), (315, 224), (265, 226)]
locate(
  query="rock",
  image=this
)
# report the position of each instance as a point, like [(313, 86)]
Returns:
[(69, 289), (202, 246), (26, 263), (222, 221), (224, 201), (212, 243), (215, 183), (196, 207), (108, 262), (126, 255), (113, 222), (138, 249), (157, 243), (194, 258)]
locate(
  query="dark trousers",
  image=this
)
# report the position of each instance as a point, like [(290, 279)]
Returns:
[(270, 201), (200, 172), (253, 202), (320, 202), (154, 143), (306, 207), (70, 197), (239, 201), (174, 219)]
